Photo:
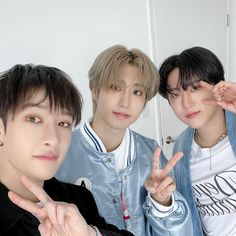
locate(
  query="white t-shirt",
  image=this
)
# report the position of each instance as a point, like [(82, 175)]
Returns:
[(213, 174)]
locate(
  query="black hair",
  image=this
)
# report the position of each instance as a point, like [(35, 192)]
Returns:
[(193, 63), (21, 82)]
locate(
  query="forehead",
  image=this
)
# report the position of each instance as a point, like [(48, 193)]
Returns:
[(176, 80), (40, 100), (130, 74), (173, 78)]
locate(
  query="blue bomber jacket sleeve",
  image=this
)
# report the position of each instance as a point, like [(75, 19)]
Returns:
[(96, 170)]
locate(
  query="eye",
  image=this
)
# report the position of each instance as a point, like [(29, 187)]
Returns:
[(64, 124), (115, 87), (173, 95), (33, 119), (195, 88), (138, 92)]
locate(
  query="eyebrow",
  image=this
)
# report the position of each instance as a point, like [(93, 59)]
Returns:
[(169, 89), (133, 85), (190, 83), (43, 107)]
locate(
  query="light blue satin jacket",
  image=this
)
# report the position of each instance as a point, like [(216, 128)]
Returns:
[(182, 169), (99, 168)]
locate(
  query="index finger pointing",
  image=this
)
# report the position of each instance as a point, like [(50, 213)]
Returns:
[(36, 190), (155, 159), (172, 162), (27, 205)]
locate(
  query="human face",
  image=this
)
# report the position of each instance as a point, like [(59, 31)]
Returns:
[(35, 140), (117, 107), (188, 104)]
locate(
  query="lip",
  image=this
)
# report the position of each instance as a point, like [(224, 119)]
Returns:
[(121, 115), (192, 115), (46, 157)]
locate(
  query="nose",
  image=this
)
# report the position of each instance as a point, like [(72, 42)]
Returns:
[(187, 99), (125, 98), (51, 136)]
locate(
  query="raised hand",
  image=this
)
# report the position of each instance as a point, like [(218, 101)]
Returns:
[(56, 218), (160, 184), (224, 93)]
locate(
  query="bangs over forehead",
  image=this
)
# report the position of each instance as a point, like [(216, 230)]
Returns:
[(22, 82), (199, 64), (108, 65), (188, 76), (194, 64)]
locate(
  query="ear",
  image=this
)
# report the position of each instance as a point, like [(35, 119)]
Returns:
[(2, 132), (95, 93)]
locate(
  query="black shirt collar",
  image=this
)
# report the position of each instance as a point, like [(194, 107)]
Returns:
[(10, 213)]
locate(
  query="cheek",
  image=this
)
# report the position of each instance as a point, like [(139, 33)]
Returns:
[(139, 106), (174, 106), (65, 138), (105, 104)]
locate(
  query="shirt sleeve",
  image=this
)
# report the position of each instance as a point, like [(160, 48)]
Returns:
[(161, 211), (174, 220)]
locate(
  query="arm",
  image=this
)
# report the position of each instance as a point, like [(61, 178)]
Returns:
[(167, 211)]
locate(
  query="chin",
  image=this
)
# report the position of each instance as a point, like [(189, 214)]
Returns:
[(46, 175)]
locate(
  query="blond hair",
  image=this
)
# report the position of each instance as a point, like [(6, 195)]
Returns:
[(109, 62)]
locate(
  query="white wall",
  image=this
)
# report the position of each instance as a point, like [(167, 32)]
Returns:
[(70, 33), (232, 41)]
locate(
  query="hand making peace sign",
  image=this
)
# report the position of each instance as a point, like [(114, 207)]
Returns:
[(224, 93), (56, 218), (160, 184)]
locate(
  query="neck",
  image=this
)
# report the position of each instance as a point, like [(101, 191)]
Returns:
[(12, 180), (110, 137), (209, 135)]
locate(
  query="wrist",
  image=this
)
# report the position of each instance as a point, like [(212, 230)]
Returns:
[(166, 202)]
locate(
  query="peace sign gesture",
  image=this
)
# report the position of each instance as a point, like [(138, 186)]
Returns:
[(56, 218), (160, 184), (224, 93)]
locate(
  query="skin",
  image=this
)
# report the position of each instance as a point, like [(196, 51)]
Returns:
[(160, 184), (35, 142), (190, 107), (224, 94), (117, 107)]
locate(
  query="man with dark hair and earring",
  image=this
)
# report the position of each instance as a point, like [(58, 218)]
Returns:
[(39, 105), (193, 82)]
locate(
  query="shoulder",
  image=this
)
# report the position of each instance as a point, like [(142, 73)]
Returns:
[(186, 134), (60, 191), (76, 132), (141, 138), (184, 139), (77, 139)]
